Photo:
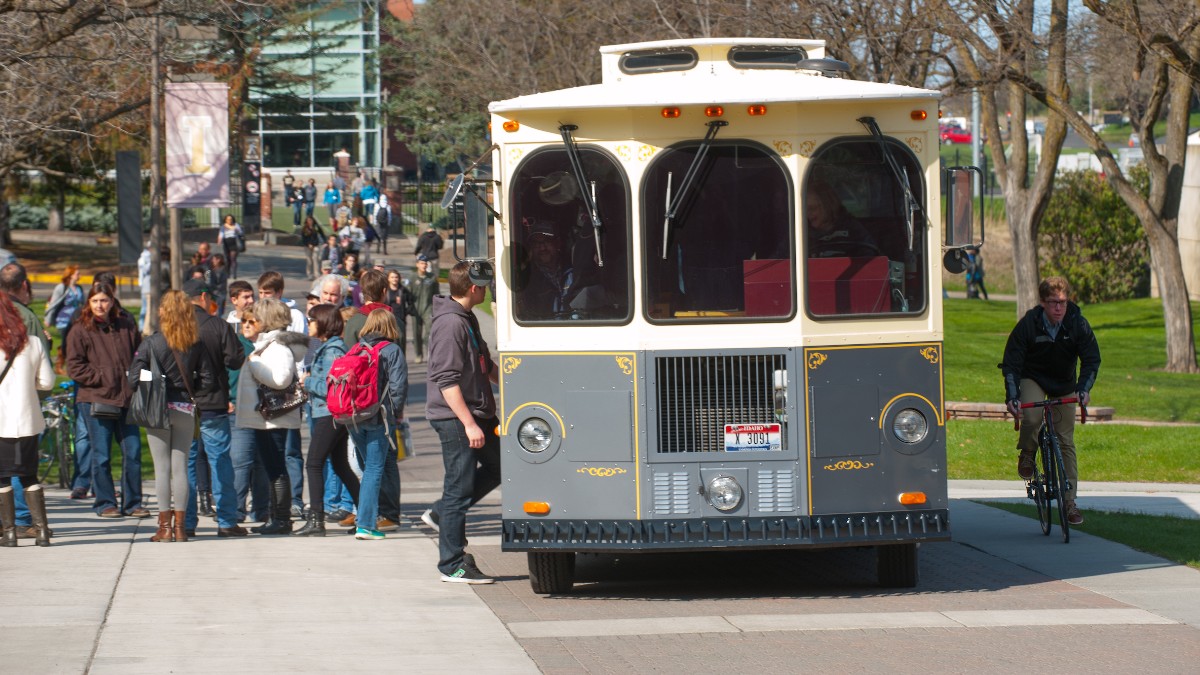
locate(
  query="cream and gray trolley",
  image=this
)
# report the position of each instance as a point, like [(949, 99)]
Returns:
[(719, 307)]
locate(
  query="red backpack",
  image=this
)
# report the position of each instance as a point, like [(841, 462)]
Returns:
[(355, 391)]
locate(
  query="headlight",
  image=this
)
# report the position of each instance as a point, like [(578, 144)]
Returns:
[(534, 434), (910, 426), (724, 493)]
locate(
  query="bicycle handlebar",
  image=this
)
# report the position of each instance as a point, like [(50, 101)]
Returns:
[(1052, 402)]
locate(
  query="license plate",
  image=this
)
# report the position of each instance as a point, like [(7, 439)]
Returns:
[(753, 438)]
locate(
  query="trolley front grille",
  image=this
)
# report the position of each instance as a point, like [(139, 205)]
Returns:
[(699, 395)]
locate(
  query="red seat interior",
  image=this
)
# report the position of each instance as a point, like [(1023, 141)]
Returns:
[(848, 286)]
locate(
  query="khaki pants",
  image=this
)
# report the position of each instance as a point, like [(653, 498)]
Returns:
[(1064, 424)]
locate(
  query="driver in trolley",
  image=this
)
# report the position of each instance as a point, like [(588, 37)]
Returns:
[(1039, 362)]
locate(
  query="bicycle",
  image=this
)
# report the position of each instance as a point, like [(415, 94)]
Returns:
[(57, 444), (1050, 483)]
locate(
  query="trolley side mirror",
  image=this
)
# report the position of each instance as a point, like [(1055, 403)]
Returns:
[(961, 213)]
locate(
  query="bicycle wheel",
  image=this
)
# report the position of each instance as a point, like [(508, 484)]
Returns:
[(47, 455), (66, 459), (1060, 486), (1039, 487)]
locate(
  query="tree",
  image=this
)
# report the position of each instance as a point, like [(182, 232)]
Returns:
[(1166, 49), (996, 61)]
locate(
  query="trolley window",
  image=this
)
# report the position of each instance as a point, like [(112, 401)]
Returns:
[(658, 60), (727, 255), (862, 257), (760, 56), (555, 275)]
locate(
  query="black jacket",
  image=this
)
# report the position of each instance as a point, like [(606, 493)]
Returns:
[(1031, 353), (221, 350), (199, 371)]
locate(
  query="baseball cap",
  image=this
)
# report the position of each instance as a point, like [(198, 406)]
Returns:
[(194, 288), (422, 258), (542, 228)]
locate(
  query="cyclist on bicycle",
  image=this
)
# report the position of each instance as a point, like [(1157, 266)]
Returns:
[(1039, 362)]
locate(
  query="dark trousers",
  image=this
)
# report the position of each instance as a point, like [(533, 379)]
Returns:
[(270, 444), (470, 475), (328, 442)]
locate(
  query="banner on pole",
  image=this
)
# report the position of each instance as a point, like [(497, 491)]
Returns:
[(197, 144)]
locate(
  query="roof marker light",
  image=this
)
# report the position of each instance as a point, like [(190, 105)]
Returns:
[(757, 110), (714, 111), (919, 115), (511, 125), (537, 508), (670, 113), (911, 498)]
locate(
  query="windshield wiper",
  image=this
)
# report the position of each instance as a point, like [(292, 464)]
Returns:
[(911, 205), (688, 178), (588, 196)]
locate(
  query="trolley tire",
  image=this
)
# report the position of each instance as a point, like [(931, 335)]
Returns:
[(551, 571), (897, 565)]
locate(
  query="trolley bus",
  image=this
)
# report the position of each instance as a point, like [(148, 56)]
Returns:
[(719, 307)]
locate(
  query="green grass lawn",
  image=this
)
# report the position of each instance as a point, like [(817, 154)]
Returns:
[(1132, 346), (1176, 539)]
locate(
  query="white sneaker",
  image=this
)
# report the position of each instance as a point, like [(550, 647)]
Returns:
[(430, 519)]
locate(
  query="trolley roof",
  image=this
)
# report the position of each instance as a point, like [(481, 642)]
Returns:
[(713, 80)]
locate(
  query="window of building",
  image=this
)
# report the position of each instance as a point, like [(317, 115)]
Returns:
[(727, 256), (553, 265), (863, 258)]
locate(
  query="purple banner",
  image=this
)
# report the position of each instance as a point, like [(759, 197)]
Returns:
[(197, 144)]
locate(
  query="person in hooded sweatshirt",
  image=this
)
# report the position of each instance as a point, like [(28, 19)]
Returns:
[(273, 363)]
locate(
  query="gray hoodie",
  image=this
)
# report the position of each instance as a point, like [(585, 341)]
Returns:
[(458, 355)]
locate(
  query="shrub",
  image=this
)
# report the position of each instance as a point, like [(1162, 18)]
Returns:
[(1090, 236)]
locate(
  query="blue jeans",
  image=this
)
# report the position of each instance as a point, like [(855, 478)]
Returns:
[(83, 454), (336, 494), (102, 433), (23, 518), (389, 489), (295, 466), (214, 431), (249, 474), (371, 440), (296, 210), (468, 472)]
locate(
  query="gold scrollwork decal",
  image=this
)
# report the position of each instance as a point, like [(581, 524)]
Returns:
[(514, 154), (849, 465), (931, 354), (645, 152), (806, 148), (624, 152), (625, 364), (916, 143), (510, 364), (783, 147), (601, 471), (815, 359)]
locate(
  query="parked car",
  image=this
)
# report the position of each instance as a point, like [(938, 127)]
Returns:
[(951, 134)]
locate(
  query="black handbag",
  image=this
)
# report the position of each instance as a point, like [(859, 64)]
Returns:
[(107, 411), (148, 407), (240, 243), (274, 403)]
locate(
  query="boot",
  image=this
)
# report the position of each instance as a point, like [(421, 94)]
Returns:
[(166, 528), (281, 507), (180, 526), (270, 520), (205, 504), (315, 527), (36, 499), (8, 514)]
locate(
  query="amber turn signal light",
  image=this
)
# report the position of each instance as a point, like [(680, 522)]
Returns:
[(512, 125), (907, 498), (537, 508), (919, 115), (670, 113)]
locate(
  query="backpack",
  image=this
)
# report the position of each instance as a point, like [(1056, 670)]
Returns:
[(369, 234), (355, 390)]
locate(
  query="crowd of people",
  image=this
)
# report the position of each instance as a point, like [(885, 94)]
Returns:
[(238, 385)]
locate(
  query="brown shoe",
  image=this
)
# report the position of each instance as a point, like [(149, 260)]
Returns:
[(1025, 466), (181, 533), (235, 531), (110, 512), (165, 531), (139, 512), (348, 521), (385, 525), (1074, 517)]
